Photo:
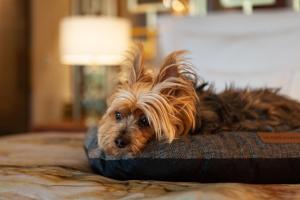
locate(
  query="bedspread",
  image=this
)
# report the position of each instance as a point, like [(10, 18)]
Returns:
[(54, 166)]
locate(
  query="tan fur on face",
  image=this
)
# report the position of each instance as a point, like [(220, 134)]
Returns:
[(167, 98), (111, 129)]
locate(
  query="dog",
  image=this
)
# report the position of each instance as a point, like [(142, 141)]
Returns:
[(172, 102)]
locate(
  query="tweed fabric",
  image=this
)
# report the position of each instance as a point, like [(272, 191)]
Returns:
[(223, 157), (227, 145)]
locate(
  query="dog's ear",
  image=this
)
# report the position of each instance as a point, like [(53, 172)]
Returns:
[(136, 65), (177, 100), (173, 66)]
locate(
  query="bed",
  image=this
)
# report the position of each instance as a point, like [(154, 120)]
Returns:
[(53, 165)]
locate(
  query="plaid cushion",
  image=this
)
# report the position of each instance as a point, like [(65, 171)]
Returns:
[(223, 157)]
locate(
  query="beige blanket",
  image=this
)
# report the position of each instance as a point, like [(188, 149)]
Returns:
[(54, 166)]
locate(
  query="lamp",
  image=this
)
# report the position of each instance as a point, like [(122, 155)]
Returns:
[(92, 40)]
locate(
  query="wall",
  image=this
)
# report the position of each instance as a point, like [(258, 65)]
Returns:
[(50, 80)]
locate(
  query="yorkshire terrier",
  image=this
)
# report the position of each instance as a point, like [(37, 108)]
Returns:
[(171, 102)]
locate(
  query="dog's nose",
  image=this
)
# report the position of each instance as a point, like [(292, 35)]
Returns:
[(121, 142)]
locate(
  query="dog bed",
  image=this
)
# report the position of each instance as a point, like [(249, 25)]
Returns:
[(246, 157)]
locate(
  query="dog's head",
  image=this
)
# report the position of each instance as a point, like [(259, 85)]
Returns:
[(149, 105)]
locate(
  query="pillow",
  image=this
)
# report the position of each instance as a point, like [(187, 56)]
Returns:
[(247, 157)]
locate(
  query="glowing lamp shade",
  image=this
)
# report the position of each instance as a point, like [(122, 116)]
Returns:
[(93, 40)]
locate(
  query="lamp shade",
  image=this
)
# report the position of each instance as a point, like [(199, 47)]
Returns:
[(91, 40)]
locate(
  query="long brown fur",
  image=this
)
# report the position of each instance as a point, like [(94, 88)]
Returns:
[(174, 106)]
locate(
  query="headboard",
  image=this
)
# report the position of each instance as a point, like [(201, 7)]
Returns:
[(257, 50)]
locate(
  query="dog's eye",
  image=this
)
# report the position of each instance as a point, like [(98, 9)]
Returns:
[(118, 116), (143, 122)]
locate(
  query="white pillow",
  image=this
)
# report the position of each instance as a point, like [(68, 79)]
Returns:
[(258, 50)]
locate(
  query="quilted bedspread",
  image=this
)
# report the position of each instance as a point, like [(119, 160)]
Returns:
[(54, 166)]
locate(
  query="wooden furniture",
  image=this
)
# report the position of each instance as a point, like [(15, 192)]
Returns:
[(14, 65), (64, 126)]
